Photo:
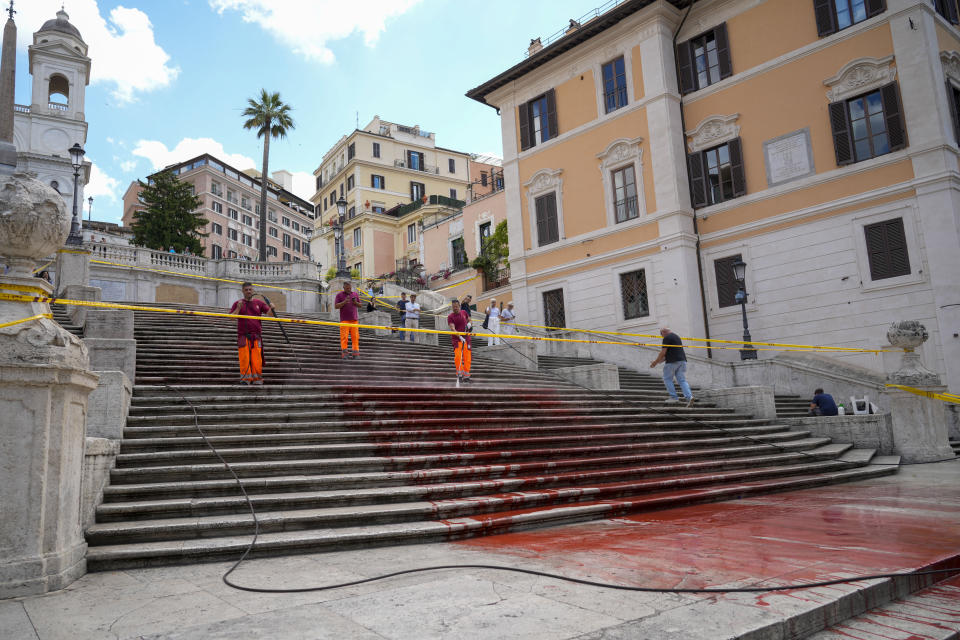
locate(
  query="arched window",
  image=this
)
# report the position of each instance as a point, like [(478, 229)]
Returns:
[(59, 90), (55, 185)]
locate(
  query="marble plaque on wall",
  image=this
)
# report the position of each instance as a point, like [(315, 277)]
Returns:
[(788, 157), (110, 290)]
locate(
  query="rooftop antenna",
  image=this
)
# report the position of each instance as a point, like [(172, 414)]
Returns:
[(358, 113)]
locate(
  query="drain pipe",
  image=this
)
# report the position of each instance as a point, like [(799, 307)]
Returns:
[(683, 137)]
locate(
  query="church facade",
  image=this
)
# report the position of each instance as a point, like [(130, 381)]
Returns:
[(53, 121)]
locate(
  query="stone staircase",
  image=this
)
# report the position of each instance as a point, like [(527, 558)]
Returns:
[(62, 317), (386, 449)]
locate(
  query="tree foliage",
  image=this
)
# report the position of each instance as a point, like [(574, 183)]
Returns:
[(171, 218), (495, 252), (270, 118)]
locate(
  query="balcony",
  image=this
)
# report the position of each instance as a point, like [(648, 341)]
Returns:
[(56, 106), (626, 209), (426, 168)]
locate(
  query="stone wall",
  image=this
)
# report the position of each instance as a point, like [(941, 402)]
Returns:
[(864, 432)]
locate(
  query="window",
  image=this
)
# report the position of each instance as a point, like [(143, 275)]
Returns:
[(485, 232), (350, 183), (272, 251), (727, 287), (216, 252), (324, 203), (452, 165), (217, 207), (947, 9), (271, 215), (453, 194), (415, 161), (357, 237), (499, 182), (286, 221), (411, 233), (333, 198), (295, 225), (358, 267), (351, 151), (306, 248), (286, 241), (216, 189), (377, 182), (553, 311), (216, 228), (548, 229), (953, 98), (835, 15), (296, 244), (459, 253), (717, 174), (614, 85), (887, 249), (483, 178), (352, 213), (245, 203), (704, 60), (341, 189), (232, 234), (376, 149), (319, 183), (868, 126), (538, 120), (286, 257), (273, 232), (417, 191), (234, 214), (232, 254), (247, 220), (379, 209), (248, 240), (633, 294), (625, 194)]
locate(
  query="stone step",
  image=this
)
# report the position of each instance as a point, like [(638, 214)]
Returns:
[(179, 551), (382, 460), (293, 483)]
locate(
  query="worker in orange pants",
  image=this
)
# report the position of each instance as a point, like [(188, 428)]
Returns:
[(459, 321), (348, 302), (249, 330)]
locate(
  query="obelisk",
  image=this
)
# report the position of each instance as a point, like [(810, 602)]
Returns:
[(8, 74)]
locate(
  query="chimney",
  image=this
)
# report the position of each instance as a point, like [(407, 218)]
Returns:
[(535, 45)]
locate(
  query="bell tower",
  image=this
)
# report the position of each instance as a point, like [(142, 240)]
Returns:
[(54, 120)]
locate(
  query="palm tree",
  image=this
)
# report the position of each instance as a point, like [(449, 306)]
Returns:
[(271, 118)]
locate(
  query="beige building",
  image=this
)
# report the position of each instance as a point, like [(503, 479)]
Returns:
[(231, 204), (816, 141), (389, 174)]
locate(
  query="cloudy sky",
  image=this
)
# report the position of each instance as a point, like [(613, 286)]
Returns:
[(170, 78)]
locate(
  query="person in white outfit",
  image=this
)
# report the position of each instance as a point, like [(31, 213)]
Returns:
[(507, 316), (493, 323), (413, 317)]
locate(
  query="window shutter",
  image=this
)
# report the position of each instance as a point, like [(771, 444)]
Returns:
[(523, 114), (899, 259), (726, 285), (826, 18), (552, 113), (735, 148), (887, 249), (685, 65), (952, 14), (893, 112), (698, 184), (842, 140), (876, 7), (952, 104), (723, 50)]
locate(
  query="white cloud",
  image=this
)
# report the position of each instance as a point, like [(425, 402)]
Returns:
[(160, 156), (128, 165), (308, 25), (101, 185), (304, 184), (123, 51)]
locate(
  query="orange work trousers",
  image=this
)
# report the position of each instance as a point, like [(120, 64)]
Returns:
[(352, 332), (251, 360), (461, 358)]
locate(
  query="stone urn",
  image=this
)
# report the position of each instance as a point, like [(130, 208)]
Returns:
[(34, 222), (908, 335)]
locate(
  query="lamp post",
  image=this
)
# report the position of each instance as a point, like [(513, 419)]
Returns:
[(76, 159), (342, 271), (90, 209), (739, 274)]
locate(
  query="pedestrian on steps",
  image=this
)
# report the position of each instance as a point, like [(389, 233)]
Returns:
[(459, 320), (413, 316), (493, 323), (507, 316), (249, 335), (402, 308), (676, 366), (348, 302)]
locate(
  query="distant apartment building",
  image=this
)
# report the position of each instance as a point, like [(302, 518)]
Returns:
[(387, 173), (654, 145), (230, 201)]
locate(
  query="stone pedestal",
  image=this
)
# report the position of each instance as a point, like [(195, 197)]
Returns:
[(757, 401), (98, 457), (520, 353), (381, 318), (73, 268), (44, 384), (604, 375), (108, 335), (78, 315), (109, 405)]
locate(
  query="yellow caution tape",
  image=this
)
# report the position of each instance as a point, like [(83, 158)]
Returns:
[(39, 269), (946, 397), (81, 251), (20, 287), (22, 320)]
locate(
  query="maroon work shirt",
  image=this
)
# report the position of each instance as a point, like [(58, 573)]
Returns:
[(459, 321), (251, 307)]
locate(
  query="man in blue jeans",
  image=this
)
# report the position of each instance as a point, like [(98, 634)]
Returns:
[(676, 366)]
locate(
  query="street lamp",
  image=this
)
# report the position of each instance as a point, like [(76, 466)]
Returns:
[(342, 271), (76, 159), (90, 209), (740, 274)]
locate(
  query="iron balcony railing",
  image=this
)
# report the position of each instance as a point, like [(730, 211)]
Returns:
[(627, 209)]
